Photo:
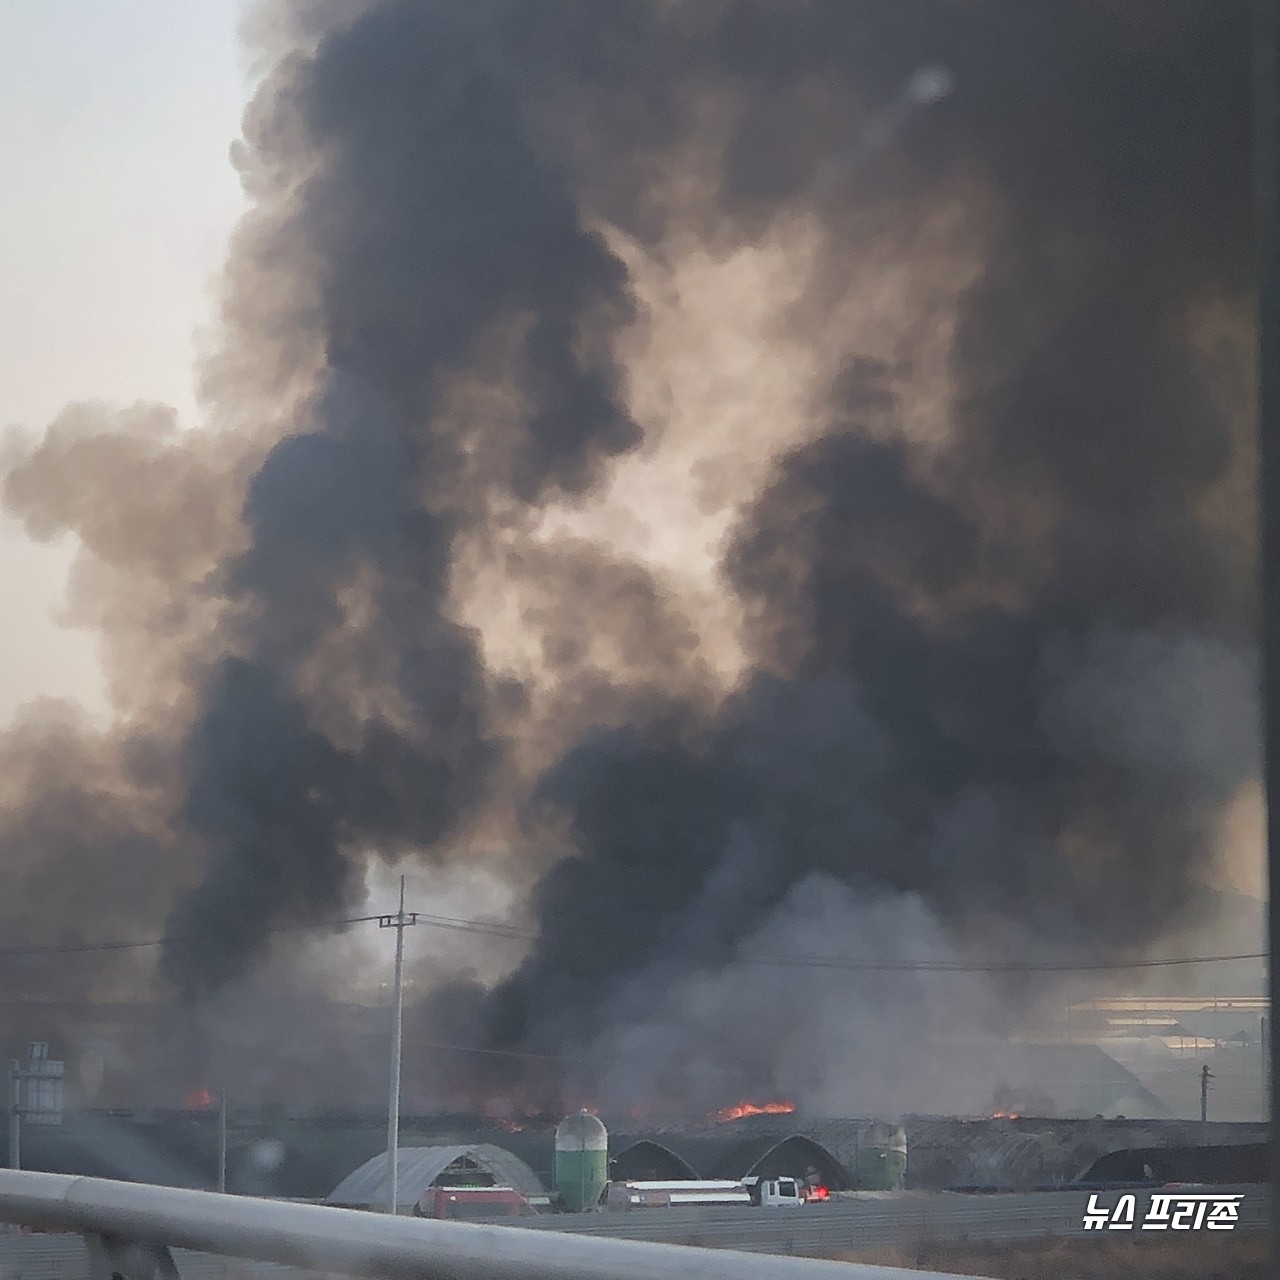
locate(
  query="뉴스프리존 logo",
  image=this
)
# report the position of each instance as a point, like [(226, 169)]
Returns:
[(1168, 1211)]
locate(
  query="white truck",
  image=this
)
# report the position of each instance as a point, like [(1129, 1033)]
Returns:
[(667, 1195), (776, 1193), (763, 1193)]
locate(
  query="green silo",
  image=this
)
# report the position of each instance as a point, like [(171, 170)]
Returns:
[(582, 1161), (881, 1163)]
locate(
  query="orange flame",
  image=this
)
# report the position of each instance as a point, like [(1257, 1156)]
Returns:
[(1004, 1115), (198, 1100), (740, 1109), (507, 1126)]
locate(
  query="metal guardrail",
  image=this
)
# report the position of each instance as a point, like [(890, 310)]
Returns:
[(846, 1224), (349, 1242)]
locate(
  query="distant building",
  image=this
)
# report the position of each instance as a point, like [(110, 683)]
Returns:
[(1164, 1041), (417, 1168), (735, 1156)]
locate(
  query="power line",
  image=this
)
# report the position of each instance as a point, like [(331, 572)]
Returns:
[(491, 927), (948, 966), (495, 928), (140, 944)]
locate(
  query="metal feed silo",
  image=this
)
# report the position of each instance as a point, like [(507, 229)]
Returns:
[(582, 1161), (881, 1163)]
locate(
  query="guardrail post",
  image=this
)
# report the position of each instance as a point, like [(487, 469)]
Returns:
[(111, 1258)]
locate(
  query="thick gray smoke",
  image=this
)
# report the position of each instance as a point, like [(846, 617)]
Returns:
[(998, 679), (1012, 675), (433, 229)]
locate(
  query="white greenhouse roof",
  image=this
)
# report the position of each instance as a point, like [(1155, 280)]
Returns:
[(418, 1167)]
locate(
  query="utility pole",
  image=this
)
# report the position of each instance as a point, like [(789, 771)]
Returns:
[(1206, 1075), (1262, 1052), (1266, 133), (222, 1141), (399, 922)]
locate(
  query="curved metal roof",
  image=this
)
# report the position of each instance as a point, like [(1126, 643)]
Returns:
[(418, 1167), (641, 1157), (768, 1157)]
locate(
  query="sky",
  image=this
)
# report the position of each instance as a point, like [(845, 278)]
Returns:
[(119, 198)]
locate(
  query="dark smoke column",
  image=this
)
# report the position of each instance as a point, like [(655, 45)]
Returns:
[(984, 669), (395, 163)]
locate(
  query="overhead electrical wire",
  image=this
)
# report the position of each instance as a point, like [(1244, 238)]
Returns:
[(495, 928), (140, 944), (948, 966)]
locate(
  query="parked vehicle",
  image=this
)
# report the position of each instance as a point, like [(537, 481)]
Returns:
[(667, 1195), (766, 1193), (776, 1193), (469, 1203)]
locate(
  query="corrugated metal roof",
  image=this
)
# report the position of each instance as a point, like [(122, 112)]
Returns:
[(418, 1167), (648, 1154), (751, 1154)]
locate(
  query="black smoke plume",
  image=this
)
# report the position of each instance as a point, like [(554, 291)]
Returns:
[(993, 661), (982, 641)]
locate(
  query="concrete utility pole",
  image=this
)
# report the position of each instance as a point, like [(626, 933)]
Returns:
[(222, 1141), (1266, 91), (1205, 1076), (399, 922), (1262, 1052)]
